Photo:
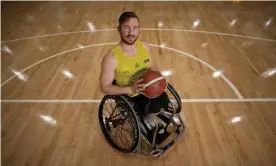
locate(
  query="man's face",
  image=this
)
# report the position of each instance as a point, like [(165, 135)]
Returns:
[(129, 31)]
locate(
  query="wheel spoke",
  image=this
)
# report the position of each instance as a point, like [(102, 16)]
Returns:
[(127, 138)]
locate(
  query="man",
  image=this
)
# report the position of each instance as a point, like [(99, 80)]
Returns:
[(123, 65)]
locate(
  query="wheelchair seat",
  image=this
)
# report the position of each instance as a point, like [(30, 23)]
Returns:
[(126, 130)]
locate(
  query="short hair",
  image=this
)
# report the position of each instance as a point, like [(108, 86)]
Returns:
[(126, 16)]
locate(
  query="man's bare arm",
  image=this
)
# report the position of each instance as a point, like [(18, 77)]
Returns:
[(108, 67)]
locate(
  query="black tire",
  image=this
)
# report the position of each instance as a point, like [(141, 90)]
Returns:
[(176, 97), (121, 102)]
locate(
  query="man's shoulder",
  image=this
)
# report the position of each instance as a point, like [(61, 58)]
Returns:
[(109, 57), (112, 51)]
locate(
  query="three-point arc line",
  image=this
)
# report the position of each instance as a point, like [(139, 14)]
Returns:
[(182, 30), (113, 43)]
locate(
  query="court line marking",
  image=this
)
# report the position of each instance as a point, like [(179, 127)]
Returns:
[(144, 29), (228, 100), (113, 43)]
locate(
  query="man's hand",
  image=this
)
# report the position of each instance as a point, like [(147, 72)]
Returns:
[(137, 87)]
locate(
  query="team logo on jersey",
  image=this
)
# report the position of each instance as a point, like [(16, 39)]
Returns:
[(126, 72), (146, 60)]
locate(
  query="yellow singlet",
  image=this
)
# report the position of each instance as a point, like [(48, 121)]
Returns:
[(129, 69)]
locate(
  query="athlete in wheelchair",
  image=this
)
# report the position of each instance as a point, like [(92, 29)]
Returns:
[(130, 121)]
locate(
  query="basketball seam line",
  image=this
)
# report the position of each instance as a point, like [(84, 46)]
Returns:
[(153, 81)]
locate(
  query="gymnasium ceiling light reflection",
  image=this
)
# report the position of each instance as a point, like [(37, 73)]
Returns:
[(80, 46), (67, 74), (269, 72), (19, 75), (233, 22), (268, 22), (91, 27), (6, 49), (166, 73), (236, 119), (196, 23), (217, 74), (48, 119), (204, 44), (160, 24)]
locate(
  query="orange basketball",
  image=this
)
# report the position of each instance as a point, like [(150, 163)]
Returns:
[(155, 84)]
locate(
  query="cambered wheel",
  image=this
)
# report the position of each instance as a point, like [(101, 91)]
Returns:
[(119, 123)]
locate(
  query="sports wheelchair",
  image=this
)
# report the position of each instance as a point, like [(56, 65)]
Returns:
[(126, 130)]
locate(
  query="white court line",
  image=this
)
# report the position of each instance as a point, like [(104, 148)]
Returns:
[(55, 34), (49, 101), (212, 33), (229, 100), (143, 29), (113, 43)]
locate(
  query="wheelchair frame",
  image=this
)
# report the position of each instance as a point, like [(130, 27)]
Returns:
[(154, 150)]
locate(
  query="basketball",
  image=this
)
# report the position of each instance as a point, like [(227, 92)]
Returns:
[(155, 84)]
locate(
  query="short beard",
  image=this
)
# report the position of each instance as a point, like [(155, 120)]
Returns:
[(127, 42)]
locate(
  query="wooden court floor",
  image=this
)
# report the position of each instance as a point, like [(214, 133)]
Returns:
[(219, 56)]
